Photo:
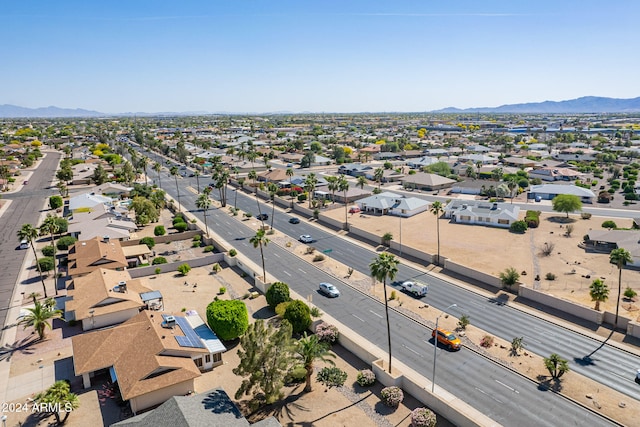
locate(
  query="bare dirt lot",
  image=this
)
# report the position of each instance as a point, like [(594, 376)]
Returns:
[(492, 250)]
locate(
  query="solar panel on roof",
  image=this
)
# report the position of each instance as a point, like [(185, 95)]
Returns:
[(190, 338)]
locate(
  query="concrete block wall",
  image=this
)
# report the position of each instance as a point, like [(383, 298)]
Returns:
[(566, 306), (473, 274), (371, 237)]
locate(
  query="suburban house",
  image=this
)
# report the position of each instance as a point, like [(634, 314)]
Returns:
[(388, 175), (211, 408), (274, 175), (388, 203), (427, 181), (88, 255), (482, 213), (608, 240), (113, 190), (477, 158), (549, 191), (100, 211), (82, 173), (116, 229), (291, 157), (151, 357), (422, 162), (519, 162), (579, 154), (354, 169), (555, 174), (87, 201), (137, 255), (104, 298)]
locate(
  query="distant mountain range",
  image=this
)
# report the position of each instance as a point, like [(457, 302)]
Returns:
[(585, 104)]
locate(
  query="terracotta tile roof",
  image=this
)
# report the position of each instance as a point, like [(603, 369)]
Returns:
[(86, 256), (95, 291), (145, 356)]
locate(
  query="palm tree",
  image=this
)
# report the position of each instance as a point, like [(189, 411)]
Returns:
[(556, 365), (30, 233), (158, 167), (309, 185), (343, 185), (512, 184), (309, 349), (40, 317), (290, 175), (362, 181), (273, 190), (599, 292), (174, 171), (34, 296), (378, 175), (59, 396), (197, 174), (204, 202), (143, 163), (436, 209), (260, 240), (383, 267), (253, 176), (50, 226), (333, 186), (619, 257)]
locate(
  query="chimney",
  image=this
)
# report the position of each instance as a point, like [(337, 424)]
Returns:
[(105, 239)]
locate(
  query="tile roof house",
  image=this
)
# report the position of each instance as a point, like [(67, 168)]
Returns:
[(104, 298), (482, 213), (213, 408), (150, 357), (116, 229), (87, 201), (555, 174), (427, 181), (86, 256), (388, 203), (274, 175)]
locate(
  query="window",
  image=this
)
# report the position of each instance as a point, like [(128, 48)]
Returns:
[(207, 358), (503, 221), (217, 357), (465, 218), (198, 362)]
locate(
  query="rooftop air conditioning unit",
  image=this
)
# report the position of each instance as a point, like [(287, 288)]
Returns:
[(169, 321), (122, 286)]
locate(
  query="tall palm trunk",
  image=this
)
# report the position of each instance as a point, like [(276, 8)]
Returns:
[(386, 312), (615, 322), (55, 263), (35, 255), (438, 238), (264, 271), (178, 191)]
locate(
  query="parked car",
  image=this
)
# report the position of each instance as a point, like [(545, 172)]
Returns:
[(447, 338), (305, 238), (262, 217), (26, 181), (354, 209), (24, 244), (329, 290), (418, 289), (294, 220)]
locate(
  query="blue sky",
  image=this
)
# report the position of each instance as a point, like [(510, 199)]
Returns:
[(317, 56)]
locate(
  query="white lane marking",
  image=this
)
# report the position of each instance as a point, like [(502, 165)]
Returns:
[(373, 312), (411, 350), (287, 273), (532, 339), (618, 375), (276, 255), (357, 317), (487, 394), (510, 388), (301, 270)]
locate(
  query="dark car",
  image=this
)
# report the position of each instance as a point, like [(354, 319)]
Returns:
[(294, 220), (263, 217)]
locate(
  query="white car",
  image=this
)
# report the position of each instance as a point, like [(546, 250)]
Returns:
[(418, 289), (305, 238)]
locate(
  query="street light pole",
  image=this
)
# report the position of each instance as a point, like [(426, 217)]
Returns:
[(435, 347), (400, 216)]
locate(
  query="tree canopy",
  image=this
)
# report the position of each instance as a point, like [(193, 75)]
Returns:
[(566, 203)]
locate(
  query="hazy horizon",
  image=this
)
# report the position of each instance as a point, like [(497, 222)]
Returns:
[(362, 56)]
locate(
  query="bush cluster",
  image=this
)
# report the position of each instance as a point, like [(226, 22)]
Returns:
[(229, 319), (159, 230), (532, 218), (327, 333), (392, 396), (423, 417), (159, 260), (486, 341), (366, 378), (277, 293), (299, 315), (332, 376), (48, 250), (64, 242)]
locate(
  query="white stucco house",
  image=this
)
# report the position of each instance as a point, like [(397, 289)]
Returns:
[(482, 213), (388, 203)]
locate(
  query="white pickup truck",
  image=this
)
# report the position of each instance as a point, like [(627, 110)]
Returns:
[(418, 289)]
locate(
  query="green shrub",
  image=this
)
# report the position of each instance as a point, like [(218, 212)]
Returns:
[(550, 276), (46, 263), (158, 270), (299, 315), (209, 248), (63, 225), (159, 260), (423, 417), (197, 238), (181, 226), (318, 257), (332, 377), (609, 224), (149, 241), (55, 202), (585, 215), (518, 227), (281, 308), (159, 230), (184, 269), (177, 219), (629, 293), (196, 243), (277, 293), (302, 197), (232, 252), (228, 318), (222, 290), (296, 375), (65, 242), (48, 250)]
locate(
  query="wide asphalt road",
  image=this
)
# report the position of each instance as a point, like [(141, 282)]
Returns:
[(501, 394), (25, 208)]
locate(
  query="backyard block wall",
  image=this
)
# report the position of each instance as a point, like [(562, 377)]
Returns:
[(566, 306)]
